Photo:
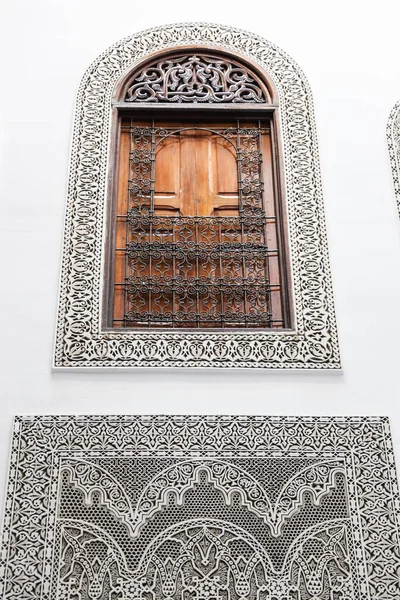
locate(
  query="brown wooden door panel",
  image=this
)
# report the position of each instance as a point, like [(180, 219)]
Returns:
[(196, 175), (167, 177), (225, 178)]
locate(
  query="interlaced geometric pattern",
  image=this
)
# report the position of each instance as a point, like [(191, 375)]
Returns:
[(201, 508)]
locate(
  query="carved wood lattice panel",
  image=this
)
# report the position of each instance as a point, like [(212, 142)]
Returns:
[(201, 508), (195, 79)]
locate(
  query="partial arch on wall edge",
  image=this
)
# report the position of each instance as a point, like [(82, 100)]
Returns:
[(393, 141)]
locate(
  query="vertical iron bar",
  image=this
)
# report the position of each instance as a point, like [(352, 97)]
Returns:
[(278, 228), (130, 178), (151, 211), (196, 218), (268, 290), (153, 165), (241, 217), (220, 272), (174, 250), (239, 168)]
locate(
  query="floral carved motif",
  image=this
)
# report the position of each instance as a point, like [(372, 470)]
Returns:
[(194, 79)]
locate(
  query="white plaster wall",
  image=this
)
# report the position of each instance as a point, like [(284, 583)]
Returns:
[(350, 50)]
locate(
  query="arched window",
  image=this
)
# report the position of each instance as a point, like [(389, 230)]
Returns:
[(198, 225), (195, 231)]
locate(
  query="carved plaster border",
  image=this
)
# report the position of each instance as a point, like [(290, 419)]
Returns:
[(393, 140), (40, 444), (80, 341)]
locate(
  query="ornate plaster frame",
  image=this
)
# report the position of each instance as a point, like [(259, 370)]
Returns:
[(40, 445), (393, 140), (80, 340)]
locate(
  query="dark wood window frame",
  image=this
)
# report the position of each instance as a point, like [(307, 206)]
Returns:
[(195, 112)]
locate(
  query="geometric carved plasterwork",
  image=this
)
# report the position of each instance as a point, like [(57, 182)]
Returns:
[(81, 340), (393, 140), (201, 508)]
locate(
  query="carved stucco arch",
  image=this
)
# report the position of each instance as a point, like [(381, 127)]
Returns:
[(316, 480), (200, 524), (80, 340), (393, 140)]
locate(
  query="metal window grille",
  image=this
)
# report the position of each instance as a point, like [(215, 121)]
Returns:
[(197, 271)]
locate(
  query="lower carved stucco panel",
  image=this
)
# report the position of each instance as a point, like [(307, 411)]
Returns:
[(201, 508)]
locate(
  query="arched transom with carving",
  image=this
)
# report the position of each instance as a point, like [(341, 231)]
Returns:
[(195, 78)]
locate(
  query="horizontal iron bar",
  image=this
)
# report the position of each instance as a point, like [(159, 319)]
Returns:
[(200, 219), (249, 130), (196, 284), (172, 320), (193, 107), (273, 287), (224, 247), (223, 319), (168, 288)]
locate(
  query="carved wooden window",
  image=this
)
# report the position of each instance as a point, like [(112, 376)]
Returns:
[(177, 258), (198, 231)]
